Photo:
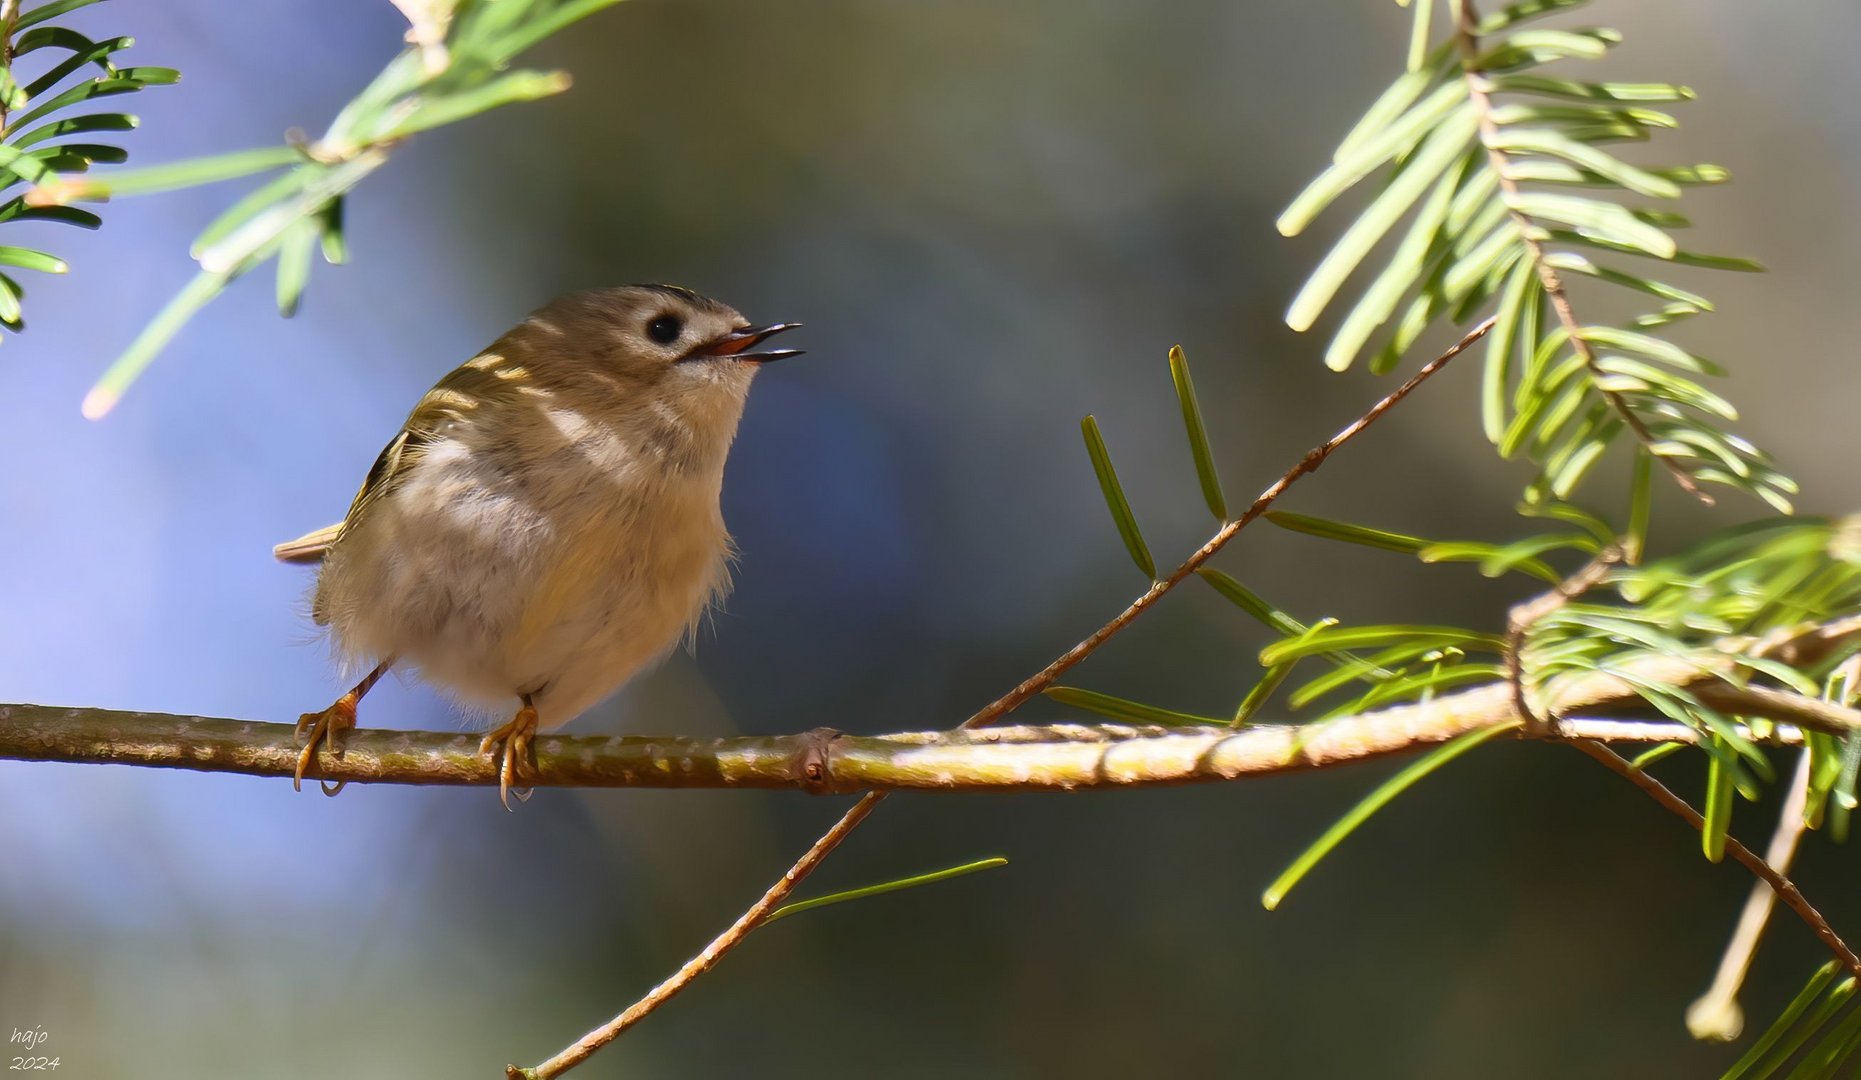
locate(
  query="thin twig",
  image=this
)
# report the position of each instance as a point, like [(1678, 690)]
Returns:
[(1716, 1015), (1777, 704), (1658, 732), (1479, 94), (758, 913), (1523, 617), (1785, 889), (1020, 694)]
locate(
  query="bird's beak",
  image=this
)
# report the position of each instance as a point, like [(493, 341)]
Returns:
[(735, 344)]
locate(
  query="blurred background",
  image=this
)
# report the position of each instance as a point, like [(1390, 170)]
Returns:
[(994, 216)]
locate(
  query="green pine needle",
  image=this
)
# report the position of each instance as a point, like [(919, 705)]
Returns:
[(1717, 816), (1782, 1025), (1115, 501), (1120, 709), (931, 878), (1198, 435), (1376, 800), (1792, 1036), (1646, 758), (1261, 693), (1247, 600), (1470, 247), (1349, 534)]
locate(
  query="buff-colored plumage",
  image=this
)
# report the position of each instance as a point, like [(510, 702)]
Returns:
[(546, 523)]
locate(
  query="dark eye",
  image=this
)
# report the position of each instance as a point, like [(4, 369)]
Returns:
[(665, 329)]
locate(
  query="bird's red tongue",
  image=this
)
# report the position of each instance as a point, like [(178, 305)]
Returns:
[(738, 342)]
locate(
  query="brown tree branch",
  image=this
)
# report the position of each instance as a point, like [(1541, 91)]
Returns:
[(1817, 713), (1064, 756), (1716, 1014), (1785, 889)]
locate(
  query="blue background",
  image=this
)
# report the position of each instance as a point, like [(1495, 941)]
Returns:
[(994, 217)]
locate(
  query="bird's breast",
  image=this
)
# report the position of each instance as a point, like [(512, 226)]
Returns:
[(627, 562)]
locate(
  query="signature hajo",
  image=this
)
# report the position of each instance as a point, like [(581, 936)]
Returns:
[(31, 1039)]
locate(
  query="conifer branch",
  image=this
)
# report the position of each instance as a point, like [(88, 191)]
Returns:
[(1467, 42)]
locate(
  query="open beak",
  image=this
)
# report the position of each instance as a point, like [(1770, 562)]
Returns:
[(737, 344)]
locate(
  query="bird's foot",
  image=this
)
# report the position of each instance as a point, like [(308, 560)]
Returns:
[(509, 745), (321, 729)]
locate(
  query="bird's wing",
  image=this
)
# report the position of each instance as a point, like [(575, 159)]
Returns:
[(482, 383), (389, 466)]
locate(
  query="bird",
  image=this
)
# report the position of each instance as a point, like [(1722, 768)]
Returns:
[(547, 522)]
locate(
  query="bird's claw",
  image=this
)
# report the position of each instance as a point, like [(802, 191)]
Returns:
[(320, 729), (509, 745)]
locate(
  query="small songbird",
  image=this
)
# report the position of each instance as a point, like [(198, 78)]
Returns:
[(546, 523)]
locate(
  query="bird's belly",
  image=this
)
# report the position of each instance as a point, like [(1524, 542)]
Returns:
[(501, 597)]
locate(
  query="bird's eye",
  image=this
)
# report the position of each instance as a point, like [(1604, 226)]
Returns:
[(665, 329)]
